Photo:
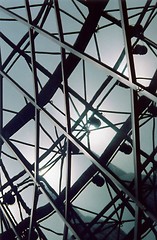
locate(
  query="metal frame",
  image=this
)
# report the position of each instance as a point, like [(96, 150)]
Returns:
[(129, 210)]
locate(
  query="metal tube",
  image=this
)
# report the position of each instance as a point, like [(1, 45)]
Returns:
[(134, 115), (37, 121), (68, 122)]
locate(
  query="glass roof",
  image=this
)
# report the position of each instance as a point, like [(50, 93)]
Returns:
[(78, 119)]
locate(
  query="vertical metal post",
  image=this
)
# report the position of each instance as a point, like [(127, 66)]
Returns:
[(37, 120), (134, 113), (67, 113)]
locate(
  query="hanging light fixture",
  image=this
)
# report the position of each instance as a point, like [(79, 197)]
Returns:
[(125, 148), (136, 31), (140, 50), (94, 122), (9, 198), (98, 180)]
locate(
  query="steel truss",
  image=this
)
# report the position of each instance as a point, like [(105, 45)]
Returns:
[(78, 120)]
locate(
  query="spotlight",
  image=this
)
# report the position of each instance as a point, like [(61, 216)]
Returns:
[(139, 49), (95, 122), (136, 31), (98, 180), (8, 198), (125, 148)]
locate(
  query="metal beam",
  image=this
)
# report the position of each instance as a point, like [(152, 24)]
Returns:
[(134, 116), (37, 120), (68, 118)]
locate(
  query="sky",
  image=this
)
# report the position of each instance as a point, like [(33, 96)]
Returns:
[(112, 105)]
